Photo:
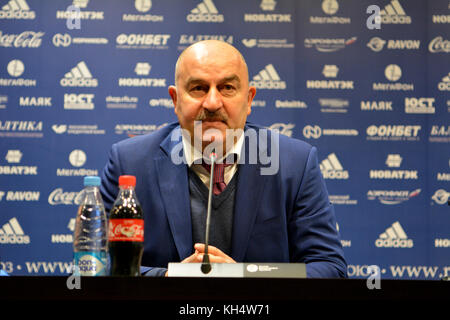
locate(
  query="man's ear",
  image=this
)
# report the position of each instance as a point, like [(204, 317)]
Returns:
[(251, 95), (173, 95)]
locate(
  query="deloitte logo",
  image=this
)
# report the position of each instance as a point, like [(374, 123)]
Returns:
[(205, 12), (79, 76), (268, 78), (12, 233), (394, 237), (331, 168), (17, 9)]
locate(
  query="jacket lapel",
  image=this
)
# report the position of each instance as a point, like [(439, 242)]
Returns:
[(174, 188)]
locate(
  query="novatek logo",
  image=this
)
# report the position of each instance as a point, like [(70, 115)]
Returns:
[(142, 68), (142, 6), (17, 9), (438, 44), (329, 7), (331, 168), (14, 156), (376, 44), (85, 15), (12, 233), (26, 39), (419, 105), (392, 197), (441, 196), (268, 78), (65, 238), (394, 13), (330, 71), (205, 11), (376, 105), (267, 5), (79, 76), (393, 73), (394, 237), (394, 160), (444, 85)]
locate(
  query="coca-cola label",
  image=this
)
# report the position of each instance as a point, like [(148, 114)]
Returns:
[(126, 230)]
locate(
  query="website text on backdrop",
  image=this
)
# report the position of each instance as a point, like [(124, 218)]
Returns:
[(273, 209)]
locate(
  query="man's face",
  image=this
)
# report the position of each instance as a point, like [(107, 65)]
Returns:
[(212, 87)]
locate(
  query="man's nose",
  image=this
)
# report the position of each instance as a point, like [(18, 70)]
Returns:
[(213, 100)]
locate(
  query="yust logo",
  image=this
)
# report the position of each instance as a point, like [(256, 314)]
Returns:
[(393, 13), (268, 78), (79, 76), (78, 101), (205, 11), (12, 233), (394, 237), (331, 168), (419, 105), (17, 9)]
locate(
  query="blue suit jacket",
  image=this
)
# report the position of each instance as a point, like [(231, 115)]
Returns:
[(285, 217)]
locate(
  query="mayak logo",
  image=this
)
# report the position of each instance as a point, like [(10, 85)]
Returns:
[(267, 5), (331, 168), (330, 71), (376, 44), (328, 44), (12, 233), (79, 101), (205, 11), (268, 78), (393, 73), (391, 197), (394, 237), (393, 132), (35, 101), (17, 9), (26, 39), (393, 13), (283, 128), (142, 69), (441, 196), (444, 85), (329, 7), (316, 132), (438, 44), (419, 105), (79, 76), (394, 160), (143, 6), (15, 69), (142, 41), (85, 15), (376, 105), (15, 156)]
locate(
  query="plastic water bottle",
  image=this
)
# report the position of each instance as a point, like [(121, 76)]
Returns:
[(90, 241)]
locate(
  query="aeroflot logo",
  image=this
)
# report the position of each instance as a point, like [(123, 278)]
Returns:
[(394, 237), (268, 78), (205, 11)]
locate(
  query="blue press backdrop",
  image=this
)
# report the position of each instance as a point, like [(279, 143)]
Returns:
[(374, 101)]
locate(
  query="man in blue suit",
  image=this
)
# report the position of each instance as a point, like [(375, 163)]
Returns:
[(265, 208)]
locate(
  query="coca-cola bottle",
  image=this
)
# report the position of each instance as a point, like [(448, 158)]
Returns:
[(126, 230)]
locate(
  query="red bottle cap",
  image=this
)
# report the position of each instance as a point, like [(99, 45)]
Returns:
[(128, 181)]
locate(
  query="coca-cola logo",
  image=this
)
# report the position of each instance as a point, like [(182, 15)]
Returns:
[(58, 196), (438, 44), (126, 230), (26, 39)]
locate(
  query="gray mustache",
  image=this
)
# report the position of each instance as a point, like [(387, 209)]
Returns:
[(206, 115)]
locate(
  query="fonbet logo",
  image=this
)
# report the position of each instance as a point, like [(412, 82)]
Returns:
[(441, 196), (331, 168), (142, 69), (268, 78), (12, 233), (393, 13), (142, 41), (79, 76), (394, 237), (205, 11), (393, 132), (17, 9)]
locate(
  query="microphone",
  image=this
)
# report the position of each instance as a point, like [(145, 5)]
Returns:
[(206, 265)]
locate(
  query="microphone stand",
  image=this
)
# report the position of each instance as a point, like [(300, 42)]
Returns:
[(206, 265)]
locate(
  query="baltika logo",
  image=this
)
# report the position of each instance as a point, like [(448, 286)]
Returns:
[(444, 85), (205, 11), (331, 168), (392, 73), (391, 197), (12, 233), (17, 9), (394, 237), (268, 78), (142, 69), (79, 76), (441, 196), (394, 13)]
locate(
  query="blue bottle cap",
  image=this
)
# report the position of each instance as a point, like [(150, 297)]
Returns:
[(92, 181)]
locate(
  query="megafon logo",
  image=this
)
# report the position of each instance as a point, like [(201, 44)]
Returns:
[(79, 76), (17, 9), (394, 237), (268, 78), (394, 13), (12, 233), (206, 11), (331, 168)]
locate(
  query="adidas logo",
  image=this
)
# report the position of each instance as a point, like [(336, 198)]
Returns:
[(17, 9), (206, 11), (79, 76), (331, 168), (393, 13), (444, 85), (268, 78), (12, 233), (394, 237)]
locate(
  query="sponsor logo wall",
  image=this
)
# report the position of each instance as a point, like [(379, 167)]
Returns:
[(374, 101)]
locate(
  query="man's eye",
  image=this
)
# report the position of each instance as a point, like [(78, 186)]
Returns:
[(228, 88)]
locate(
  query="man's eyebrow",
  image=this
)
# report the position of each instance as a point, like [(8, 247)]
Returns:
[(231, 78)]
